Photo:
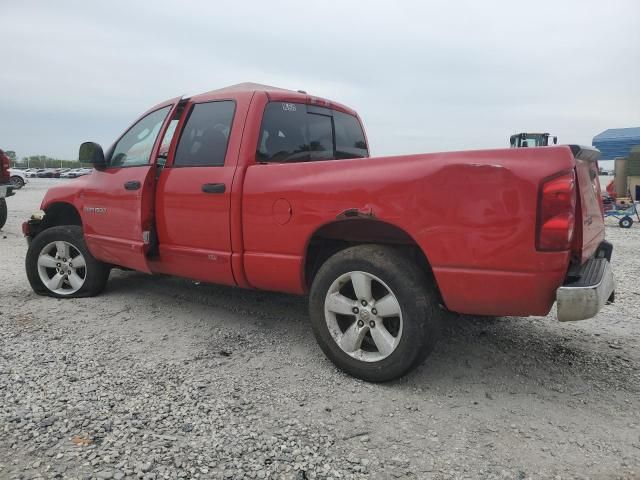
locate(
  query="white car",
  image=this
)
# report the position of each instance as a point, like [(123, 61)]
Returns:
[(17, 178), (76, 172)]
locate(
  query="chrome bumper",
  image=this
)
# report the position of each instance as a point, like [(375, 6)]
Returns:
[(584, 297)]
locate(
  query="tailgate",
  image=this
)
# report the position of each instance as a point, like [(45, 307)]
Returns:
[(589, 217)]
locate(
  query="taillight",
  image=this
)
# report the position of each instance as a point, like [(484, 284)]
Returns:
[(556, 212)]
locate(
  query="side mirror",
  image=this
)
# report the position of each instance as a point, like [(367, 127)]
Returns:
[(91, 152), (555, 140)]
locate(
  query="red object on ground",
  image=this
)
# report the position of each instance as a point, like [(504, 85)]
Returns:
[(4, 167)]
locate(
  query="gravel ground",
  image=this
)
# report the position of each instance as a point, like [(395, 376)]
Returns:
[(160, 377)]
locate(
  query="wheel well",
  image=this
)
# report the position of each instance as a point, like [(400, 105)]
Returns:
[(60, 214), (333, 237)]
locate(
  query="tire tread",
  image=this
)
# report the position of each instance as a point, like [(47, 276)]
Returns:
[(409, 282)]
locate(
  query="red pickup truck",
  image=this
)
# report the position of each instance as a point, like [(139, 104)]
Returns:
[(6, 187), (265, 188)]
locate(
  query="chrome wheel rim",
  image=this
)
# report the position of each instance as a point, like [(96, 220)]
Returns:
[(62, 268), (16, 182), (363, 316)]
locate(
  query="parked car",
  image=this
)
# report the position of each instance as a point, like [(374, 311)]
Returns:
[(45, 173), (17, 178), (72, 173), (76, 172), (59, 171), (6, 188), (272, 189)]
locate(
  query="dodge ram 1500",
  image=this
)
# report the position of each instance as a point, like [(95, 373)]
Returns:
[(265, 188)]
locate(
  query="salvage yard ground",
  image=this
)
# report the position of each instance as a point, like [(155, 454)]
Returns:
[(161, 377)]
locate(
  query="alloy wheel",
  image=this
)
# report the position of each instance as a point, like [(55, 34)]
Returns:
[(363, 316), (62, 268)]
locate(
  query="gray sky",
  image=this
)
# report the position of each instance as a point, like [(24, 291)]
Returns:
[(424, 76)]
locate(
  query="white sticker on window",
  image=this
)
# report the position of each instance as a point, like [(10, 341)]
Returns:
[(288, 107)]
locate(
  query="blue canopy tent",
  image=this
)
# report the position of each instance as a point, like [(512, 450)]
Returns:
[(617, 142)]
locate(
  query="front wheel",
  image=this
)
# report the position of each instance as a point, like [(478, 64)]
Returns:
[(625, 222), (17, 182), (374, 313), (59, 264)]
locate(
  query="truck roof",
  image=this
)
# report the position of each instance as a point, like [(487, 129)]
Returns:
[(274, 93)]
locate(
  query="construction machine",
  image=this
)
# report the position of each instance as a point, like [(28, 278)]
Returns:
[(519, 140)]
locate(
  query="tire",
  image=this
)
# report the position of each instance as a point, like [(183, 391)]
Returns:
[(45, 259), (3, 212), (412, 333), (17, 182), (625, 222)]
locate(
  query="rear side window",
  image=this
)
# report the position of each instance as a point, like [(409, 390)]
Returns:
[(350, 141), (205, 136), (296, 132)]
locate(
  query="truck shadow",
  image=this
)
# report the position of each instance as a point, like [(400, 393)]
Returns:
[(536, 352), (491, 352)]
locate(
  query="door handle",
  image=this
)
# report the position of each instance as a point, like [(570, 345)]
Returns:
[(132, 185), (213, 188)]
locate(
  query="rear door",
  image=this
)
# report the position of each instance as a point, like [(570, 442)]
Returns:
[(193, 197), (117, 203)]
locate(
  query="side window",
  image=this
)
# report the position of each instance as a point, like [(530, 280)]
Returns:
[(350, 141), (283, 133), (134, 148), (204, 138), (295, 132)]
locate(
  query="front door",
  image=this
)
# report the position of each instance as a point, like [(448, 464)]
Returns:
[(117, 202), (193, 196)]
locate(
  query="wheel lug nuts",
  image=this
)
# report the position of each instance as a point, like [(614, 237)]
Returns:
[(360, 323), (355, 310), (364, 303), (374, 311), (58, 265), (372, 324)]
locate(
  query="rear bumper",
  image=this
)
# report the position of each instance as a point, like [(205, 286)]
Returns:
[(586, 293)]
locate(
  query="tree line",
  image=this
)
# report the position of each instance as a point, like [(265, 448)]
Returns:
[(43, 161)]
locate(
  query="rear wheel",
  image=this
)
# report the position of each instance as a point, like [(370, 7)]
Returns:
[(59, 264), (17, 182), (3, 212), (625, 222), (373, 312)]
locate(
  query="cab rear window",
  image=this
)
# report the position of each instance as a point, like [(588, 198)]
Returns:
[(296, 132)]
